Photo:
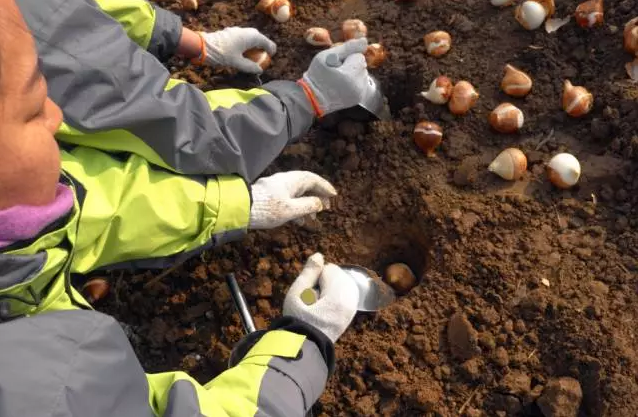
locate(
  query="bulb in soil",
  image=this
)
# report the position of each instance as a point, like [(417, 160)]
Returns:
[(280, 10), (400, 277), (589, 14), (531, 14), (95, 289), (428, 136), (318, 37), (506, 118), (440, 90), (189, 4), (516, 83), (577, 101), (353, 29), (563, 170), (464, 97), (630, 35), (509, 164), (375, 55), (259, 56), (437, 43)]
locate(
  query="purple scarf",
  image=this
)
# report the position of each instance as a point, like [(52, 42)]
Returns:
[(26, 222)]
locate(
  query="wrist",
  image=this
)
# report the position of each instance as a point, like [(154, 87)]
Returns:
[(310, 95), (192, 46)]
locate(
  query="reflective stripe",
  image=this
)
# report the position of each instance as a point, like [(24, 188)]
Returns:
[(137, 17)]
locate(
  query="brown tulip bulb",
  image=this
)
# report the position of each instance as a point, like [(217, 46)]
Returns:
[(259, 56), (280, 10), (189, 4), (506, 118), (577, 101), (353, 29), (318, 37), (515, 82), (437, 43), (589, 14), (95, 289), (630, 35), (400, 277), (464, 97), (428, 136), (440, 90), (510, 164), (375, 55)]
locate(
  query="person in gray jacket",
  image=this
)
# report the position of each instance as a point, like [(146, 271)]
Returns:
[(102, 62)]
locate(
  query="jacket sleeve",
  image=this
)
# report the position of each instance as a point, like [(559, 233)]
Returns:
[(79, 363), (282, 374), (148, 25), (135, 215), (117, 97)]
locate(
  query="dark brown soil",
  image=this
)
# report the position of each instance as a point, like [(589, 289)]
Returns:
[(481, 246)]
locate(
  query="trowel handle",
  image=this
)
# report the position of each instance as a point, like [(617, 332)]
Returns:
[(240, 303), (310, 295)]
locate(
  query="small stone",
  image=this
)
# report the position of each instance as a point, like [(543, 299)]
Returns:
[(487, 342), (516, 383), (462, 337), (263, 265), (519, 326), (508, 327), (501, 357), (561, 398), (545, 282)]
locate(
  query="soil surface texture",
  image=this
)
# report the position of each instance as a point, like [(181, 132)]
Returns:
[(527, 302)]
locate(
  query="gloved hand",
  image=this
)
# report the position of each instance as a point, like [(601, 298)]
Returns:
[(226, 48), (280, 198), (333, 312), (337, 77)]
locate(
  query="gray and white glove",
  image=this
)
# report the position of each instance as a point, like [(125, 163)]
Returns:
[(337, 77), (288, 196), (337, 302), (226, 48)]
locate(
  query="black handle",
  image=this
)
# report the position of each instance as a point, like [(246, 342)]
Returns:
[(240, 303)]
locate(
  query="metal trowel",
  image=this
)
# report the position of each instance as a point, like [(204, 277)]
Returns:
[(374, 294)]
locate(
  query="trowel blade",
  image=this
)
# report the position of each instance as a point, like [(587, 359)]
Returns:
[(374, 101), (374, 294)]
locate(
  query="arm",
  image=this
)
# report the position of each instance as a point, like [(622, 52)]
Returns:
[(135, 214), (117, 97)]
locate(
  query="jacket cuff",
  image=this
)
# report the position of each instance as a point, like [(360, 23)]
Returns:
[(167, 32), (301, 115), (293, 325)]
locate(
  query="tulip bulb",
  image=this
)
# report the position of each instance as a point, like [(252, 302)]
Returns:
[(440, 90), (189, 4), (400, 277), (280, 10), (531, 14), (437, 43), (353, 29), (259, 56), (502, 3), (375, 55), (577, 101), (464, 97), (506, 118), (563, 170), (632, 69), (428, 136), (631, 36), (515, 82), (509, 164), (95, 289), (318, 37), (589, 13)]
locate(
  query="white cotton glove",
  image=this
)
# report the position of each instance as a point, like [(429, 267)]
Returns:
[(281, 197), (338, 297), (338, 77), (226, 48)]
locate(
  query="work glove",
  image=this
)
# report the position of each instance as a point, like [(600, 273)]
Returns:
[(337, 77), (226, 48), (282, 197), (337, 301)]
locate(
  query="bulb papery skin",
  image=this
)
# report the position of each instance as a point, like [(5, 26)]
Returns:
[(564, 170)]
